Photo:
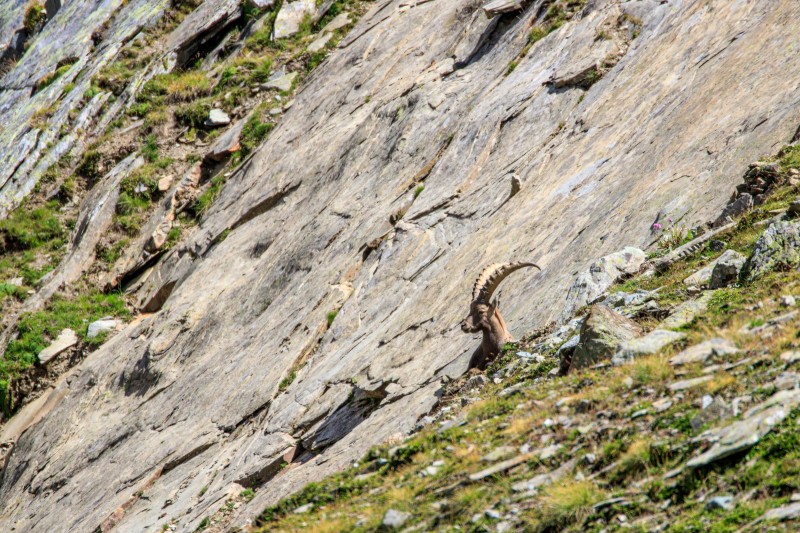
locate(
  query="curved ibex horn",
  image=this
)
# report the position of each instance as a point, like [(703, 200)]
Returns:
[(492, 276)]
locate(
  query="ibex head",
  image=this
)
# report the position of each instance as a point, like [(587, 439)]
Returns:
[(483, 313)]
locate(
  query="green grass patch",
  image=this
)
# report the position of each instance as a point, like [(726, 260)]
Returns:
[(37, 330)]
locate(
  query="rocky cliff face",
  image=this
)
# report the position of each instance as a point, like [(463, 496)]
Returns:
[(387, 186)]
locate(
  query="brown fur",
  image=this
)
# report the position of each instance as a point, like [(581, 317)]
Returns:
[(484, 316)]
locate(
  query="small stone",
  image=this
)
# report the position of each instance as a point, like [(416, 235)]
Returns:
[(549, 452), (394, 519), (164, 183), (717, 245), (501, 467), (66, 339), (304, 508), (589, 459), (476, 382), (706, 400), (720, 502), (102, 326), (16, 282), (662, 405), (217, 117), (727, 269), (787, 300), (492, 514), (532, 357), (498, 453), (430, 470), (639, 414), (281, 82)]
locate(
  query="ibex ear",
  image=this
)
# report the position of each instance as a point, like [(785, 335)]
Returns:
[(493, 306)]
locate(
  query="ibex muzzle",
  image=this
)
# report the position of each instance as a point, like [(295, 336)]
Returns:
[(484, 315)]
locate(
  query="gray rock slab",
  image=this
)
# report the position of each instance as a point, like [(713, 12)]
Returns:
[(103, 325), (784, 512), (743, 434), (650, 344), (282, 82), (700, 353), (686, 312), (65, 340), (688, 383), (319, 43), (338, 22), (502, 466)]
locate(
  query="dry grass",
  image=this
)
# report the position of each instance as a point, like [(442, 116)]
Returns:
[(568, 503)]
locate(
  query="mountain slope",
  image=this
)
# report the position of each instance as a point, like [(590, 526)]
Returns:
[(383, 191)]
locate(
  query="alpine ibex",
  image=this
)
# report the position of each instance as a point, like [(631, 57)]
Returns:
[(485, 316)]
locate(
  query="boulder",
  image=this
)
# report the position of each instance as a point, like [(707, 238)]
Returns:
[(103, 325), (727, 269), (777, 248), (290, 17), (603, 330), (594, 281)]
